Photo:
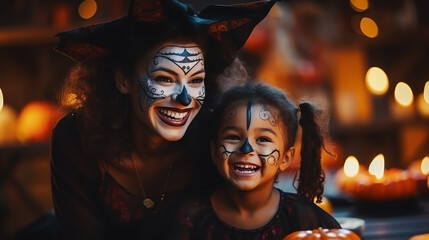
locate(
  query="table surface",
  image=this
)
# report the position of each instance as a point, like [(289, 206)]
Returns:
[(389, 221)]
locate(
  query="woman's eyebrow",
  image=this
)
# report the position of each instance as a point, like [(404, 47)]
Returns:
[(165, 70), (198, 72)]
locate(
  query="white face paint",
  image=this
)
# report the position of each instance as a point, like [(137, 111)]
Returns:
[(172, 90), (250, 145)]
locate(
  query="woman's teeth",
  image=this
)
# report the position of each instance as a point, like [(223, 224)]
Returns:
[(245, 168), (178, 116)]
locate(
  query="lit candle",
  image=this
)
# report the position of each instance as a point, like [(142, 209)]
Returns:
[(376, 167), (376, 183)]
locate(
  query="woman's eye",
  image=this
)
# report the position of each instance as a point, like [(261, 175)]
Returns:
[(196, 80), (232, 137), (163, 79)]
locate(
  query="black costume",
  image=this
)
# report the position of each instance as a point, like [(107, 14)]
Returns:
[(198, 220)]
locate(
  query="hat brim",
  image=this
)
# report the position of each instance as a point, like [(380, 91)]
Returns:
[(228, 25)]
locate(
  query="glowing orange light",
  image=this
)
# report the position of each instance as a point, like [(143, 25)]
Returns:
[(424, 166), (87, 9), (426, 92), (368, 27), (376, 167), (1, 100), (351, 166), (359, 5)]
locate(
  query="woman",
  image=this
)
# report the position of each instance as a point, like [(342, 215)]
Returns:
[(121, 160)]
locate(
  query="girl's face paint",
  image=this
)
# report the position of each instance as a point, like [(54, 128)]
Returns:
[(171, 89), (250, 146)]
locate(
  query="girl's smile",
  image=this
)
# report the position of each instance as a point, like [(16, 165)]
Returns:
[(251, 145)]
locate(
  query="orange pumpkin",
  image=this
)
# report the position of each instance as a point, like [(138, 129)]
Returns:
[(325, 234)]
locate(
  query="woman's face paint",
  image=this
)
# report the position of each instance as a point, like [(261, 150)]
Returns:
[(171, 89), (249, 146)]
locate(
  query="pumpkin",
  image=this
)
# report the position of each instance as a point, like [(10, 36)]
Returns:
[(324, 234)]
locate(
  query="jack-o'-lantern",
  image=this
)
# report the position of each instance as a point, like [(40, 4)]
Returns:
[(36, 121), (325, 234)]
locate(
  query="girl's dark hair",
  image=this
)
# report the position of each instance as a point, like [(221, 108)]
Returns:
[(102, 112), (311, 175)]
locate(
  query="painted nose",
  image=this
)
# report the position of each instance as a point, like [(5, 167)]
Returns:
[(184, 98), (246, 147)]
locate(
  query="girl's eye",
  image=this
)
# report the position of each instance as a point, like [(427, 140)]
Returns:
[(163, 79), (196, 80), (263, 139)]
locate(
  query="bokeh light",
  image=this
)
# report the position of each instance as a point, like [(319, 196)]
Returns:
[(426, 92), (377, 81), (403, 94), (87, 9), (351, 166), (368, 27), (376, 167), (359, 5), (1, 100), (422, 106)]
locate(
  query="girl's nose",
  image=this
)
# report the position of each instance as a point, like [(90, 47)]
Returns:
[(184, 98), (246, 147)]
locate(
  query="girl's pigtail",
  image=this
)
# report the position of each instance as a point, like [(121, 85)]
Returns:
[(311, 175)]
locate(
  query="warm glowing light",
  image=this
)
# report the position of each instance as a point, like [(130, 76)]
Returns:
[(426, 92), (376, 167), (424, 166), (428, 182), (422, 106), (359, 5), (377, 81), (351, 166), (403, 94), (87, 9), (1, 100), (368, 27)]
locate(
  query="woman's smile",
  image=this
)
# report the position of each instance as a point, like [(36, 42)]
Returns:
[(174, 116)]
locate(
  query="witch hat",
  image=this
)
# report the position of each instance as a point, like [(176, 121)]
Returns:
[(225, 25)]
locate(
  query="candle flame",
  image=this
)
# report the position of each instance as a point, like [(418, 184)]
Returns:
[(424, 166), (376, 167), (351, 166)]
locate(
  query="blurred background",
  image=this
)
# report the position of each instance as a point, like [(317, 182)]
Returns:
[(363, 62)]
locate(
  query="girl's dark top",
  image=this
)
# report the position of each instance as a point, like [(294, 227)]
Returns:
[(198, 220), (92, 205)]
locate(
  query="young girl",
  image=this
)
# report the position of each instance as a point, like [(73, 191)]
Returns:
[(252, 141)]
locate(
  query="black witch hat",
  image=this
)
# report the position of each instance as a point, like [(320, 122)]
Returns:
[(225, 25)]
